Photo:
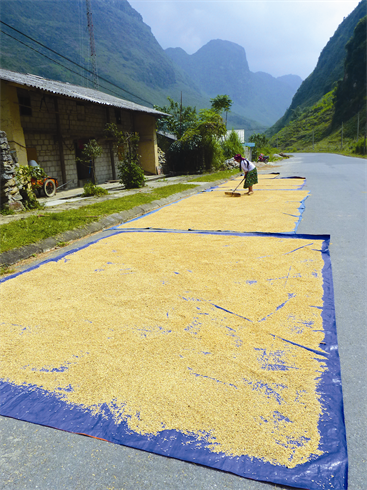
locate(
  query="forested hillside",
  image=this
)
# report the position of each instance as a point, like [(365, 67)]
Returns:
[(337, 122), (329, 69)]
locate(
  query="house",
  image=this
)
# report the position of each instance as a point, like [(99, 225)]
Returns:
[(50, 121)]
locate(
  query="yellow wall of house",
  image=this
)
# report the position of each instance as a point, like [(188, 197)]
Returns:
[(145, 125), (10, 121)]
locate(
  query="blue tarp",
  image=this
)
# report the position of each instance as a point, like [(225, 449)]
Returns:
[(329, 471)]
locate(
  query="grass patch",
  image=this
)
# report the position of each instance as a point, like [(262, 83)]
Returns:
[(224, 174), (6, 212), (35, 228), (6, 270), (91, 189)]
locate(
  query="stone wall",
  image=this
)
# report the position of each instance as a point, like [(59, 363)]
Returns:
[(9, 192)]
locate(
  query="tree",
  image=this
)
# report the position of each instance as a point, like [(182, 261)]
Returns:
[(207, 131), (221, 103), (90, 152), (259, 139), (232, 145), (197, 147), (182, 118), (126, 146)]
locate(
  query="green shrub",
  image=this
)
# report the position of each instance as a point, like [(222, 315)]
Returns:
[(360, 147), (232, 145), (90, 152), (5, 211), (131, 175), (28, 180), (126, 146), (91, 189), (216, 155)]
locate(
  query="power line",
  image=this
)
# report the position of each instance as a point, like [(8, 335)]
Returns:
[(67, 59), (54, 61)]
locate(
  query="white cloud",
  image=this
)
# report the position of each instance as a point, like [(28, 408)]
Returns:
[(279, 37)]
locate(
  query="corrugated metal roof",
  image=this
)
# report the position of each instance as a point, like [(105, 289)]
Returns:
[(167, 135), (74, 91)]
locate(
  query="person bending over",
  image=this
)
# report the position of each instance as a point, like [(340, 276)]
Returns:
[(250, 171)]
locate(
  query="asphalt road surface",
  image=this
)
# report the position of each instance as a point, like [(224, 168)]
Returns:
[(36, 457)]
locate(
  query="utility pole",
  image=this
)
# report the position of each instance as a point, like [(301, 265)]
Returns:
[(92, 44), (358, 128)]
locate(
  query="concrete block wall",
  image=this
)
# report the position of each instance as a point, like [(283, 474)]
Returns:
[(47, 153), (43, 113), (70, 165), (78, 120)]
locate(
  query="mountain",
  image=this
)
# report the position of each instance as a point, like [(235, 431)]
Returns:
[(129, 56), (221, 67), (127, 52), (294, 81), (329, 69), (337, 122), (351, 91)]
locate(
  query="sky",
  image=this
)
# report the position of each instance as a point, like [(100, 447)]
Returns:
[(279, 37)]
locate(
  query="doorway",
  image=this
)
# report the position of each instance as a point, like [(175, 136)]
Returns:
[(85, 170)]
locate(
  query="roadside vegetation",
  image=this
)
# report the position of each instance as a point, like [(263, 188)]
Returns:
[(263, 146), (91, 189), (34, 228)]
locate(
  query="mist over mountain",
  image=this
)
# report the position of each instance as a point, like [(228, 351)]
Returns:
[(221, 67), (294, 81), (130, 57)]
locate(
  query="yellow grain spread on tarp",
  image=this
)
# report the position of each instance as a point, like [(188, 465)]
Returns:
[(179, 331), (266, 212), (265, 183)]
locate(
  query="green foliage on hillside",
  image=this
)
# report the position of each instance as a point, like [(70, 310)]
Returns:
[(337, 122), (127, 52), (311, 125), (314, 131), (329, 69), (351, 92)]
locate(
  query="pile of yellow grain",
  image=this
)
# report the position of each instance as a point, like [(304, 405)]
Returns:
[(188, 332)]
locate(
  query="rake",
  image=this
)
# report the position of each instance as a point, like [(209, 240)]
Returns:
[(234, 193)]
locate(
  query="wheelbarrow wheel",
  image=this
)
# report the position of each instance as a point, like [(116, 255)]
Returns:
[(49, 187)]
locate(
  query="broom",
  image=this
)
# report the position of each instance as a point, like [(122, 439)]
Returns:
[(234, 193)]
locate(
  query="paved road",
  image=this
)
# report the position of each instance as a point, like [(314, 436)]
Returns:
[(33, 457), (337, 206)]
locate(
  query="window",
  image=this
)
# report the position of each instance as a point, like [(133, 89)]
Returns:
[(24, 100)]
